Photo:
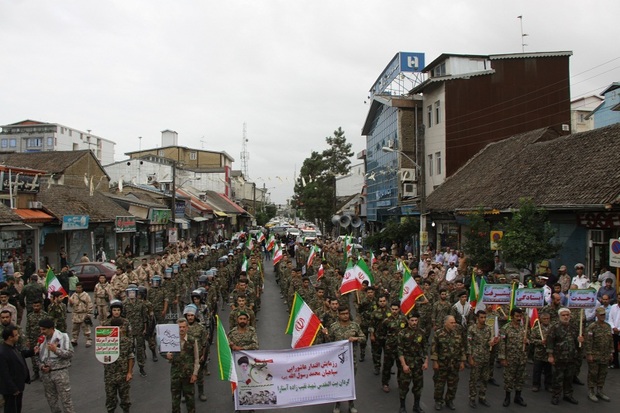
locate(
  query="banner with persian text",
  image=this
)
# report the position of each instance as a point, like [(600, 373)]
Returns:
[(273, 379)]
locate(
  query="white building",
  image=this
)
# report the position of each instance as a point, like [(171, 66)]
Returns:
[(35, 136), (352, 183), (580, 109)]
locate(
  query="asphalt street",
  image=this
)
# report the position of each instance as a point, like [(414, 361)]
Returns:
[(152, 393)]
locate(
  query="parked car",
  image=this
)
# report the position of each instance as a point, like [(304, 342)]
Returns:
[(88, 273)]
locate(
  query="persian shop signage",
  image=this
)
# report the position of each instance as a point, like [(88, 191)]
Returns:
[(125, 224), (75, 222), (159, 216), (19, 181)]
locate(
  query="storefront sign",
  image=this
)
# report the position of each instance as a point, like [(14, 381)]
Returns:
[(125, 224), (529, 297), (19, 181), (75, 222), (159, 216), (276, 379)]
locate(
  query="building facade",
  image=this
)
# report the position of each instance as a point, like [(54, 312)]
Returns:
[(608, 111)]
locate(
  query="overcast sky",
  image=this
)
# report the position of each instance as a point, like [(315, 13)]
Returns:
[(294, 71)]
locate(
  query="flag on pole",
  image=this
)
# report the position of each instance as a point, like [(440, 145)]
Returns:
[(312, 256), (303, 324), (320, 272), (249, 243), (244, 265), (364, 273), (533, 317), (409, 293), (277, 255), (224, 356), (261, 237), (349, 281), (52, 284), (373, 259), (271, 242), (475, 291)]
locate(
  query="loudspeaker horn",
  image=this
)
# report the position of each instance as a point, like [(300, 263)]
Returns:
[(356, 221), (345, 220), (336, 219)]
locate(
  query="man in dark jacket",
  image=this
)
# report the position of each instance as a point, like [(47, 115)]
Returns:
[(14, 372)]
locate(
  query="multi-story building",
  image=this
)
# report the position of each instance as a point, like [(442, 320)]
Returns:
[(35, 136), (608, 111), (581, 111)]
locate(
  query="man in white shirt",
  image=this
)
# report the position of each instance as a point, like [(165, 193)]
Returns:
[(452, 272), (580, 280)]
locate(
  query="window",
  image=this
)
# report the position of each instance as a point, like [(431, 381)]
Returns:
[(13, 143), (429, 111), (160, 152), (430, 164), (50, 141), (438, 162), (34, 142), (5, 143), (437, 117), (192, 156), (439, 70), (582, 118)]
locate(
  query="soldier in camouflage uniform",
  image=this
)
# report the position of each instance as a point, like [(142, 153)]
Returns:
[(157, 297), (137, 315), (57, 310), (184, 367), (345, 329), (243, 336), (241, 307), (151, 321), (513, 356), (117, 376), (377, 345), (448, 356), (480, 341), (365, 309), (198, 333), (563, 350), (32, 292), (424, 307), (441, 308), (599, 349), (413, 360), (119, 283), (541, 365), (33, 331), (388, 332)]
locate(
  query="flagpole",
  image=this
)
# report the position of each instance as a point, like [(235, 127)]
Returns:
[(542, 337)]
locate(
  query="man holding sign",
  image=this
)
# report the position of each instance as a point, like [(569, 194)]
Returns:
[(184, 367)]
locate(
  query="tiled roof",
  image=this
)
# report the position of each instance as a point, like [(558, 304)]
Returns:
[(221, 203), (7, 215), (557, 172), (50, 162), (61, 200)]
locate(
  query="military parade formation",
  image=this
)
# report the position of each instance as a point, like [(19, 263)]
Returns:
[(189, 284)]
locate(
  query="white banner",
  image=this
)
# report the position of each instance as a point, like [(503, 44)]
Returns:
[(273, 379)]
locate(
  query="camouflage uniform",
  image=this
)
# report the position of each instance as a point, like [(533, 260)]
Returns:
[(424, 306), (157, 297), (137, 315), (32, 334), (388, 331), (247, 340), (234, 314), (448, 350), (511, 349), (102, 298), (82, 306), (479, 349), (599, 344), (338, 331), (31, 292), (365, 310), (378, 345), (58, 312), (118, 285), (562, 344), (413, 346), (197, 332), (56, 383), (541, 363), (440, 310), (115, 376), (182, 366)]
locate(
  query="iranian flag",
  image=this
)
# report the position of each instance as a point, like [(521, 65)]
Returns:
[(475, 291), (225, 359), (244, 265), (249, 244), (320, 272), (303, 324), (409, 293), (312, 256), (277, 255), (349, 281), (261, 237), (52, 284), (533, 314), (271, 242), (373, 259)]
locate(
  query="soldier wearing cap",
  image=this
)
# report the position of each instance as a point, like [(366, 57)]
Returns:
[(412, 351), (599, 352), (198, 332)]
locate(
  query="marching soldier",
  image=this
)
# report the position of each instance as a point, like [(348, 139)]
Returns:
[(184, 368), (513, 357), (480, 341), (413, 360), (599, 348), (448, 356), (117, 376), (388, 332)]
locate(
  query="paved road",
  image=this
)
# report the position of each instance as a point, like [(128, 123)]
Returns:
[(152, 394)]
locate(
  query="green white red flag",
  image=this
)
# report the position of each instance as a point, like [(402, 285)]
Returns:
[(271, 242), (409, 293), (313, 253), (224, 356), (261, 237), (355, 275), (320, 272), (244, 265), (373, 259), (277, 255), (52, 284), (303, 324), (475, 292)]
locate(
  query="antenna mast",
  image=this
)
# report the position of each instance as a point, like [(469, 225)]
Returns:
[(245, 155)]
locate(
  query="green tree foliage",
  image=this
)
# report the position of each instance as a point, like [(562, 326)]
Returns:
[(315, 189), (393, 231), (262, 217), (477, 246), (528, 236)]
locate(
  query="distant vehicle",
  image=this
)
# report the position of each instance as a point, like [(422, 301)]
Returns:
[(279, 230), (88, 273), (308, 234), (293, 232)]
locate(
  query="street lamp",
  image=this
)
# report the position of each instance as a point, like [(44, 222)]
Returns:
[(421, 195)]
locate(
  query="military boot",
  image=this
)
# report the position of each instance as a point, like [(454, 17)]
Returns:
[(602, 396), (416, 406), (519, 400), (154, 355), (402, 408), (592, 395), (201, 393), (506, 400)]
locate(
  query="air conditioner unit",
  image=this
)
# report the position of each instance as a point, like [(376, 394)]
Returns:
[(407, 175), (35, 205), (410, 190)]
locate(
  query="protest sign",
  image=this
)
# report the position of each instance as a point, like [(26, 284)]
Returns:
[(529, 297), (107, 344), (168, 338), (581, 298), (496, 294)]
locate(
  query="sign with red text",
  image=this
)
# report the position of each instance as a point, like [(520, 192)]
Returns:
[(125, 224), (107, 344), (275, 379)]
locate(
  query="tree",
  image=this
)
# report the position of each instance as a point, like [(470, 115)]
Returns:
[(528, 236), (336, 157), (477, 246)]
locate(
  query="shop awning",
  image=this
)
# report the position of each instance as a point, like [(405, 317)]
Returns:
[(33, 216), (181, 221), (200, 219), (220, 214)]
